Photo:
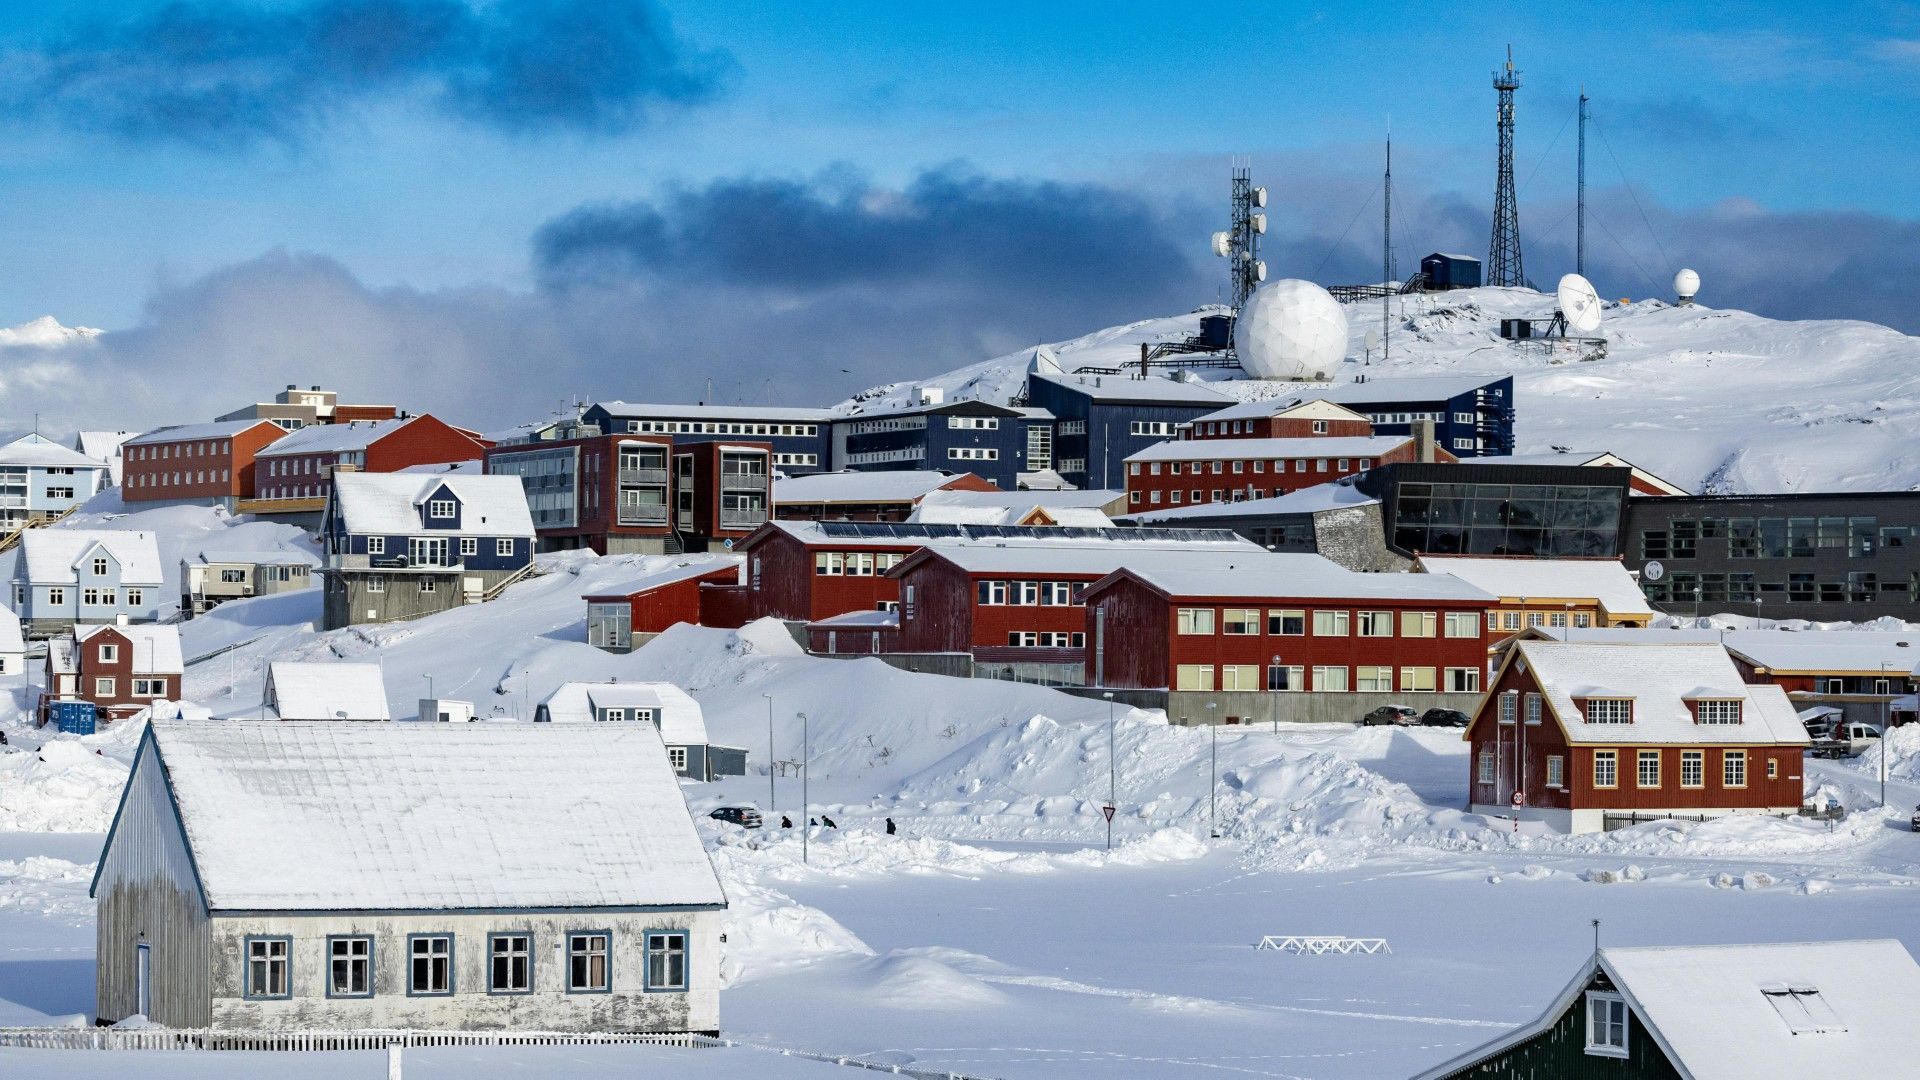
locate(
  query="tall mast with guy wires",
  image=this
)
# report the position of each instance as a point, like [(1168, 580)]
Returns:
[(1503, 256)]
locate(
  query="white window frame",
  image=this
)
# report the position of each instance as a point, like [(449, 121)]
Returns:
[(1614, 1017), (503, 548), (440, 509)]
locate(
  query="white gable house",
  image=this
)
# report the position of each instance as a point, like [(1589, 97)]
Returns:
[(13, 645), (671, 711), (69, 577), (307, 691), (402, 545), (274, 877)]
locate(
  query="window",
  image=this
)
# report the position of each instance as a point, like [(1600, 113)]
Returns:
[(1193, 677), (1284, 678), (1556, 770), (376, 545), (1463, 680), (1416, 680), (104, 687), (1241, 622), (377, 583), (1648, 775), (349, 967), (1194, 621), (56, 596), (677, 757), (233, 577), (469, 545), (1239, 677), (430, 968), (1733, 768), (1486, 767), (1330, 623), (1417, 623), (1508, 706), (149, 688), (1718, 711), (109, 653), (587, 963), (267, 960), (1466, 624), (973, 453), (666, 960), (134, 597), (1319, 427), (99, 568), (1693, 768), (1606, 768), (1371, 679), (1330, 679), (1773, 769), (1606, 1024), (1609, 710), (428, 584), (504, 549), (1376, 624), (1288, 623), (1802, 1008)]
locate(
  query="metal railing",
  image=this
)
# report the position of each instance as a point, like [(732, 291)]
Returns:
[(643, 515), (656, 477)]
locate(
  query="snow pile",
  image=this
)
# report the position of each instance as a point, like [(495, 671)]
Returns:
[(70, 783), (48, 887)]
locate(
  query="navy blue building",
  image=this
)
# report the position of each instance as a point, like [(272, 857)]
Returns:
[(402, 545), (1472, 415), (1008, 445), (1101, 420), (1446, 271), (802, 438)]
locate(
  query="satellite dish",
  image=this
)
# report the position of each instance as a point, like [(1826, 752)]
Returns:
[(1260, 270), (1291, 329), (1685, 284), (1579, 304), (1259, 196), (1222, 244), (1373, 339), (1259, 224)]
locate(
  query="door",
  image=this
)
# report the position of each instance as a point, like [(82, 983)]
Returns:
[(143, 978), (429, 551)]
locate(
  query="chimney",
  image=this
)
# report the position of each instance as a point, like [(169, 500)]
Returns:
[(1423, 441), (930, 395), (293, 386), (120, 619)]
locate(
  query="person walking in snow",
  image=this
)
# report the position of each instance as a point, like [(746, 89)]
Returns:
[(890, 829), (812, 822), (828, 821), (786, 822)]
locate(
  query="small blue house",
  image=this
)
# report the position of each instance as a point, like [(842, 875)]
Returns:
[(402, 545), (41, 480), (69, 577)]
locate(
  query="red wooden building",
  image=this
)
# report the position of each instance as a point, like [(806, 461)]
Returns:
[(856, 633), (722, 492), (1279, 418), (1587, 736), (804, 571), (121, 669), (1017, 600), (618, 619), (300, 465), (198, 463), (1212, 470), (1286, 623)]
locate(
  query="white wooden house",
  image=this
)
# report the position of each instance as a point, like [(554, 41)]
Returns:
[(298, 876), (13, 646), (297, 690), (670, 710)]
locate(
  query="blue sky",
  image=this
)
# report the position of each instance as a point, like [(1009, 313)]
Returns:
[(231, 161)]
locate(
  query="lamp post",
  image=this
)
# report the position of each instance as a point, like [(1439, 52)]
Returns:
[(773, 799), (1886, 731), (806, 802), (1113, 774), (1273, 712), (1213, 777)]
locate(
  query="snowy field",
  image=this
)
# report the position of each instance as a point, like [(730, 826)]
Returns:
[(995, 934)]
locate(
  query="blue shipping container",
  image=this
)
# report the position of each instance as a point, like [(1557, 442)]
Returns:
[(75, 717)]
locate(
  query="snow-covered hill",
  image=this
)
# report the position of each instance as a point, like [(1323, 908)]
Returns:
[(1714, 400)]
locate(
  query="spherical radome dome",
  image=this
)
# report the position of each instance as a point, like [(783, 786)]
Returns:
[(1686, 283), (1291, 329)]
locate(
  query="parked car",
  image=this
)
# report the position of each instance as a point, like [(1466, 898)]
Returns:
[(1846, 740), (1390, 714), (744, 816), (1443, 718)]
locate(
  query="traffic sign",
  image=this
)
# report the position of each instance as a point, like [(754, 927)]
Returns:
[(1107, 810)]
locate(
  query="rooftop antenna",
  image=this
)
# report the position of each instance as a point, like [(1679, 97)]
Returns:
[(1503, 256), (1386, 258), (1240, 244), (1580, 200), (1596, 937)]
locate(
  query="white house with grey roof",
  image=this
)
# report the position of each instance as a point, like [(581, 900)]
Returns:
[(671, 711), (13, 645), (280, 877), (68, 577), (41, 480), (299, 690)]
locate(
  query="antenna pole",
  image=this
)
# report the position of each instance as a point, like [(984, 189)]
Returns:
[(1580, 204), (1503, 257), (1386, 258), (1596, 937)]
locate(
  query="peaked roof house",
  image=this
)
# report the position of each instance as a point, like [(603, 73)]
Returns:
[(269, 877), (297, 470), (1550, 592), (41, 480), (1719, 1012), (319, 691), (67, 577), (13, 645), (120, 669), (402, 545), (672, 712), (103, 446)]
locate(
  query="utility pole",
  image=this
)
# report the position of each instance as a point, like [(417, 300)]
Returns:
[(806, 802), (1386, 269), (1113, 781), (773, 799), (1580, 202)]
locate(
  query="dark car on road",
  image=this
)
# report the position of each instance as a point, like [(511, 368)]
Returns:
[(744, 816), (1443, 718), (1390, 714)]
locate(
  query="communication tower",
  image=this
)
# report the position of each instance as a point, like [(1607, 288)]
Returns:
[(1240, 244), (1503, 257)]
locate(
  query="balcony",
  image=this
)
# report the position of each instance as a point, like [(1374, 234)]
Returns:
[(642, 515), (743, 481), (742, 519), (643, 477)]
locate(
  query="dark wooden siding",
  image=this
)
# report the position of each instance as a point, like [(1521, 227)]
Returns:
[(1560, 1053)]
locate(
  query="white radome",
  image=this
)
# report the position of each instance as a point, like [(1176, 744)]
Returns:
[(1686, 283), (1291, 329)]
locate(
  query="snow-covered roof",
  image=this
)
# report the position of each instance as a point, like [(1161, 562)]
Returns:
[(334, 438), (1329, 446), (678, 716), (1660, 679), (1085, 517), (1298, 575), (225, 429), (1861, 652), (263, 557), (101, 445), (391, 503), (1605, 580), (628, 410), (1310, 500), (1583, 459), (1094, 497), (1314, 408), (1382, 391), (1733, 1012), (861, 487), (11, 640), (50, 556), (694, 567), (1126, 388), (1095, 558), (859, 620), (42, 452), (363, 817), (327, 691), (156, 649)]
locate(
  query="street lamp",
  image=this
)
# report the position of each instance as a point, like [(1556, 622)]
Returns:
[(806, 803), (1273, 710), (1113, 774), (773, 800), (1213, 777)]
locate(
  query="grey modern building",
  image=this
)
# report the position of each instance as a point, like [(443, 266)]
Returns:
[(1821, 556)]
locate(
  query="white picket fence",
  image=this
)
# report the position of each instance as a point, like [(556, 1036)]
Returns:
[(1323, 945), (103, 1038)]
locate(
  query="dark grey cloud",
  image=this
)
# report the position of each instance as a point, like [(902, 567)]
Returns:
[(217, 73)]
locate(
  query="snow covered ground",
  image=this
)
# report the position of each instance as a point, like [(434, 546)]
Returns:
[(996, 934), (1713, 400)]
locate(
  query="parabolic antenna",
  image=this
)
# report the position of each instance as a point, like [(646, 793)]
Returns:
[(1222, 244), (1373, 339), (1580, 304), (1259, 196), (1291, 329), (1259, 222)]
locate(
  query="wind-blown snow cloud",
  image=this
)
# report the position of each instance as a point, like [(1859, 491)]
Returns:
[(217, 74)]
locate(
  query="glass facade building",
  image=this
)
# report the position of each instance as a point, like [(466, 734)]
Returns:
[(1542, 511)]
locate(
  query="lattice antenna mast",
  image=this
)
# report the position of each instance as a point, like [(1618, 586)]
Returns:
[(1244, 247), (1386, 257), (1503, 256), (1580, 201)]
